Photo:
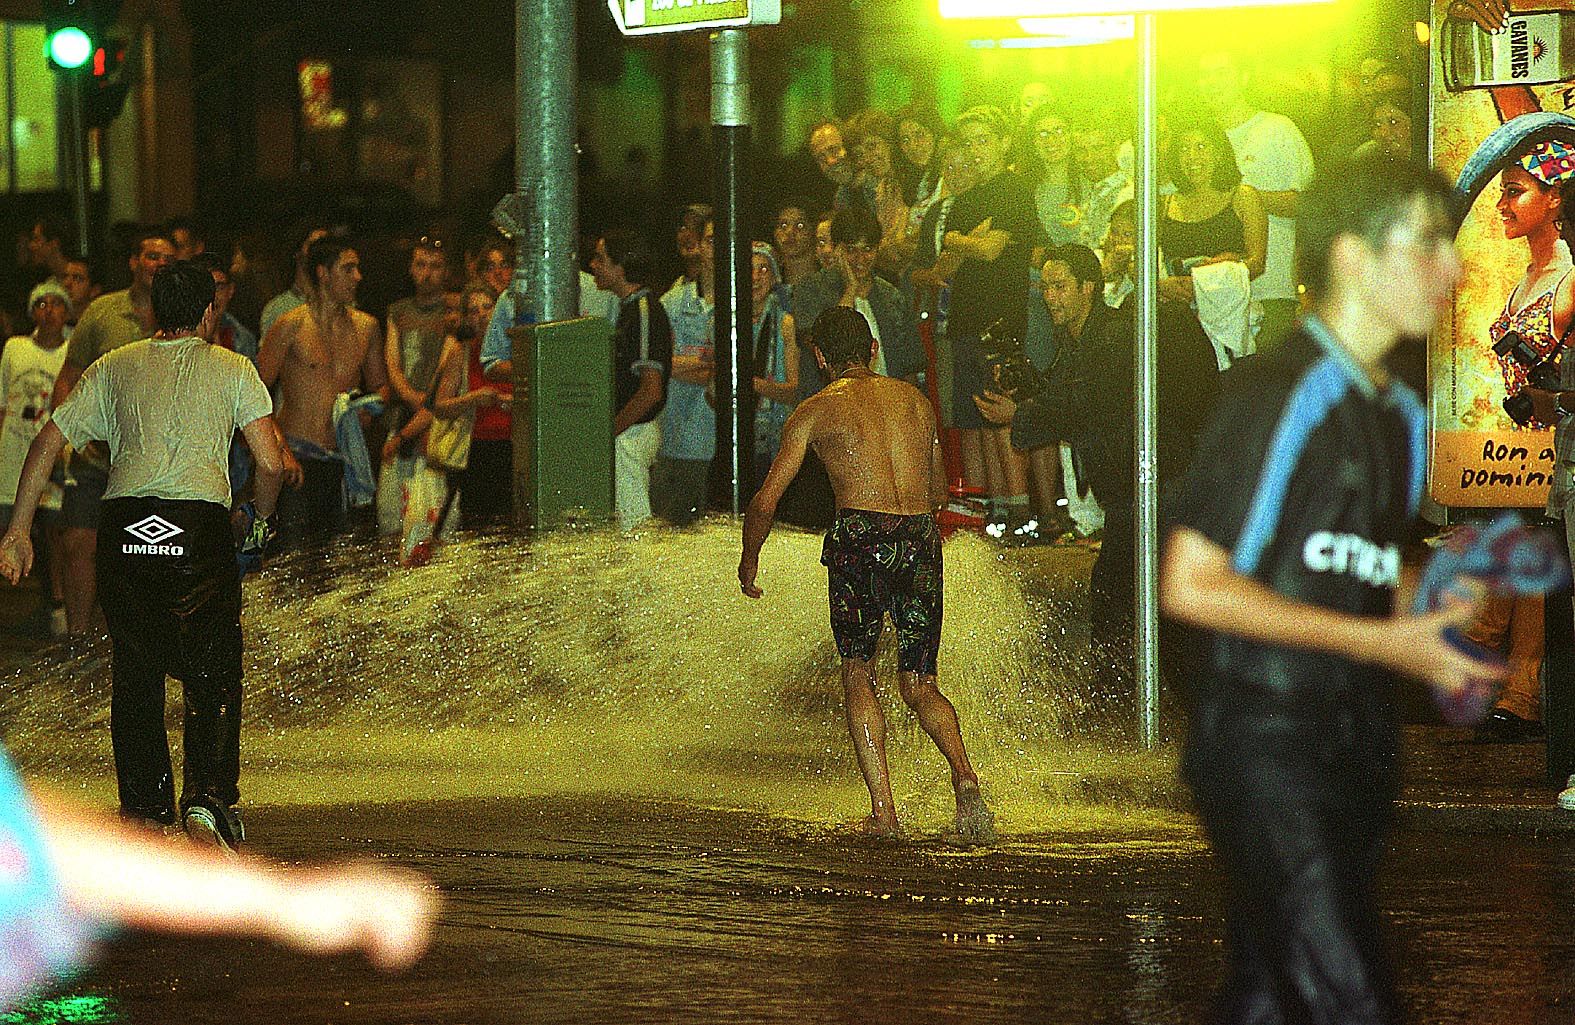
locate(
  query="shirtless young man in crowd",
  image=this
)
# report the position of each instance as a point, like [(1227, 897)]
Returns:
[(877, 437), (314, 353)]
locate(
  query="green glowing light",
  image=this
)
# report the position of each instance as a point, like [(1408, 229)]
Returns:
[(84, 1009), (975, 9), (70, 48)]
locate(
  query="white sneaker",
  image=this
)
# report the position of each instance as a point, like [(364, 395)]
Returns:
[(1566, 798)]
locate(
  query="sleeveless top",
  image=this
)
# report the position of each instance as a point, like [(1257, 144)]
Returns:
[(1534, 323), (1222, 233)]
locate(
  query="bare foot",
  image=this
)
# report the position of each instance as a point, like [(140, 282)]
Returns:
[(879, 828), (975, 821)]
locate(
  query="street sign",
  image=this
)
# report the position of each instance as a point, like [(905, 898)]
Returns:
[(643, 17)]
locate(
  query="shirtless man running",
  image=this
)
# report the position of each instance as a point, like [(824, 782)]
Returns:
[(877, 437), (314, 353)]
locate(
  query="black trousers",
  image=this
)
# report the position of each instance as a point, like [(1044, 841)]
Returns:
[(1297, 807), (487, 484), (316, 512), (171, 593), (1112, 591)]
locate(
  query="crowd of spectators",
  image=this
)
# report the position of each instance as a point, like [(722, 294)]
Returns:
[(969, 245)]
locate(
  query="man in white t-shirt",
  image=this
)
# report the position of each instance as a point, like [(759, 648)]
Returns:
[(169, 583), (1274, 159), (28, 368)]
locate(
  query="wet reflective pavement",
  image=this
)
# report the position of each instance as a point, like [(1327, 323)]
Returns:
[(615, 911), (628, 783)]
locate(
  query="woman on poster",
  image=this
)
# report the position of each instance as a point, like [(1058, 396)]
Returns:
[(1539, 311), (1542, 304)]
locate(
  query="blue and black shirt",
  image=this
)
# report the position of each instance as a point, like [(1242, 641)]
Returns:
[(1310, 477)]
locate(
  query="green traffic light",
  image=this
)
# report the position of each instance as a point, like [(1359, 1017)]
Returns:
[(70, 48)]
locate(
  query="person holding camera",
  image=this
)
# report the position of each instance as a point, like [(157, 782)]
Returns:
[(1085, 398)]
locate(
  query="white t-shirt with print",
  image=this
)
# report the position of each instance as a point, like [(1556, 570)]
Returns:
[(27, 376), (1273, 157)]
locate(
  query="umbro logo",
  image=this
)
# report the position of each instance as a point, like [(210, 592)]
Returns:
[(153, 532)]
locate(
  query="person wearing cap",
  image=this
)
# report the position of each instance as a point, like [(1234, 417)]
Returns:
[(1541, 310), (28, 368)]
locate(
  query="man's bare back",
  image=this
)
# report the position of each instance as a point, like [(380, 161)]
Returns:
[(314, 362), (877, 439), (876, 435)]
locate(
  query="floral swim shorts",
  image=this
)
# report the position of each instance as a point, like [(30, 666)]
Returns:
[(879, 564)]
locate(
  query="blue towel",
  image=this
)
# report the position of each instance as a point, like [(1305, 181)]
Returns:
[(360, 481)]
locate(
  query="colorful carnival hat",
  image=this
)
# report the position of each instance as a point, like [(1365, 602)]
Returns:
[(1550, 161), (1508, 139)]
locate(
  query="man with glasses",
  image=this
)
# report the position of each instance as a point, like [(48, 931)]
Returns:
[(229, 333), (1292, 744)]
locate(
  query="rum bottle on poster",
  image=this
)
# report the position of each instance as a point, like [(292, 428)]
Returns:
[(1535, 48)]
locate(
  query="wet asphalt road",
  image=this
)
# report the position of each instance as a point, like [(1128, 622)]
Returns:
[(585, 910)]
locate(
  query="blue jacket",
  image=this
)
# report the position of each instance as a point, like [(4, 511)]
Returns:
[(895, 322)]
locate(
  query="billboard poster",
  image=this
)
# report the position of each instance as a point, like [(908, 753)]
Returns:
[(1498, 101)]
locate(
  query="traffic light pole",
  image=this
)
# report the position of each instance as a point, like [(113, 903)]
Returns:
[(547, 270), (77, 138), (732, 339)]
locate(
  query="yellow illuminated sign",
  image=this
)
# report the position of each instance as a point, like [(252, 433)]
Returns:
[(975, 9)]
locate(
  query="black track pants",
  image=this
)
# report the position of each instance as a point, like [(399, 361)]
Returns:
[(171, 593), (1297, 808)]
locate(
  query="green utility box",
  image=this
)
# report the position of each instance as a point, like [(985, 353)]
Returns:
[(563, 413)]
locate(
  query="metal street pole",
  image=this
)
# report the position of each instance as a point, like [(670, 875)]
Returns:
[(545, 205), (1146, 641), (732, 338), (79, 168)]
